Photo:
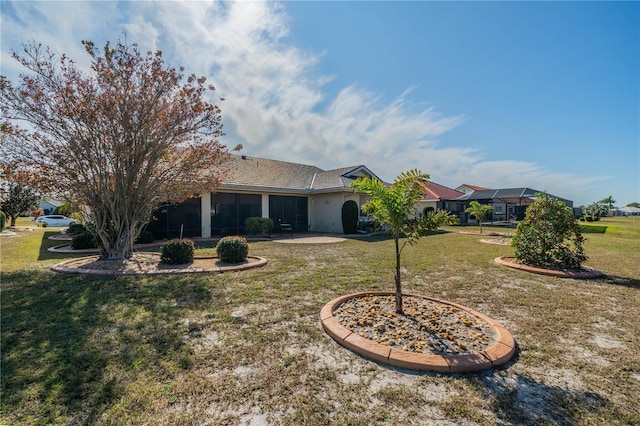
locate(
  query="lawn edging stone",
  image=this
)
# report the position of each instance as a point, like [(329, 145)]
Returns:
[(498, 354), (586, 273)]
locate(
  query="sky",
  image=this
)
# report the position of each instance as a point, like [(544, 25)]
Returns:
[(543, 95)]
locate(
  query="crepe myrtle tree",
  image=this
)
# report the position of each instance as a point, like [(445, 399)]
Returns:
[(16, 196), (394, 206), (121, 137)]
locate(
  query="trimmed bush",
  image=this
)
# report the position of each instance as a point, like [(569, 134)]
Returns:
[(3, 220), (350, 213), (84, 240), (177, 251), (549, 236), (258, 226), (76, 228), (593, 229), (232, 249)]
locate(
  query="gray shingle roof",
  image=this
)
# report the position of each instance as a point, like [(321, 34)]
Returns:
[(252, 172), (506, 194)]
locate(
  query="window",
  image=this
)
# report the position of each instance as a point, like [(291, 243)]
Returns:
[(229, 211)]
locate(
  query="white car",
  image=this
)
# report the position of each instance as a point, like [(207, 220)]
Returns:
[(54, 220)]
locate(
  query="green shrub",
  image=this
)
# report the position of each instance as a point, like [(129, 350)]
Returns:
[(177, 251), (3, 220), (145, 237), (589, 218), (549, 236), (76, 228), (232, 249), (258, 226), (84, 240), (350, 214), (430, 220)]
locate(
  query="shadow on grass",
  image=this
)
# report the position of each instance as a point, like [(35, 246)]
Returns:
[(519, 399), (46, 243), (387, 236), (621, 281), (522, 400), (71, 344)]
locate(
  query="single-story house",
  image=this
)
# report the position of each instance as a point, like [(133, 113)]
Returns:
[(303, 197), (48, 205), (440, 197), (626, 211)]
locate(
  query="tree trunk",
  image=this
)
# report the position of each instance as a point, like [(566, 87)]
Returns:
[(117, 237), (13, 221), (116, 250), (398, 279)]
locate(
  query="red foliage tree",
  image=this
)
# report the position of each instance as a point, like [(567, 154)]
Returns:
[(122, 138)]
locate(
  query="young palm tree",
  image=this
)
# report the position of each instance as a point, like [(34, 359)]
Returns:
[(479, 211), (609, 201), (393, 206)]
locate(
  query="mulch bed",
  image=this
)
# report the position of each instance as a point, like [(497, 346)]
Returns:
[(149, 263), (497, 241), (582, 273), (426, 326)]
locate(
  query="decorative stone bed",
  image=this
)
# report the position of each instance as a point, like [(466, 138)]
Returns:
[(584, 273), (497, 241), (149, 264), (433, 335)]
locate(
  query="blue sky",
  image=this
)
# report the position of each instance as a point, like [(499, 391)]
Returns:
[(496, 94)]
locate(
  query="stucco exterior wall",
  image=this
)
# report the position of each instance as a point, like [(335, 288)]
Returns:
[(325, 211)]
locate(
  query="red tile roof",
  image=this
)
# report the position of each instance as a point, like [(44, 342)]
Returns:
[(436, 191)]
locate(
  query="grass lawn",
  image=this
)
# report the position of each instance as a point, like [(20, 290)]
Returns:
[(237, 348)]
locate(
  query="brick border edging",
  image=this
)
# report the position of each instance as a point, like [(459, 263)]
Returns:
[(61, 267), (588, 274), (499, 353)]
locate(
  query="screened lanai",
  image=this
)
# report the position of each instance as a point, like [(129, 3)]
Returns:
[(509, 204)]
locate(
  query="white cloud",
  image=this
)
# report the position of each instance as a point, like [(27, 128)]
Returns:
[(275, 103)]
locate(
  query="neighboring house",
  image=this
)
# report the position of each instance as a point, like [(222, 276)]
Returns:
[(302, 196), (466, 188), (626, 211), (48, 205), (440, 197), (509, 204)]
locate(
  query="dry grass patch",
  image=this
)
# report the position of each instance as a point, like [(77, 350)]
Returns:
[(248, 347)]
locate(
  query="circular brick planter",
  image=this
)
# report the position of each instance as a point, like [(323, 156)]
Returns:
[(74, 266), (497, 354), (587, 273)]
